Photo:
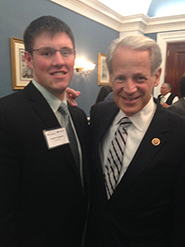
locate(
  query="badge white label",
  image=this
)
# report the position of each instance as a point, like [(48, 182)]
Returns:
[(56, 137)]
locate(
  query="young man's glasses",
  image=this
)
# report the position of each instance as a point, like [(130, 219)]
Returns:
[(49, 52)]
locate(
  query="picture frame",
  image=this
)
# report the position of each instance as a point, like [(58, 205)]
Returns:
[(103, 74), (21, 73)]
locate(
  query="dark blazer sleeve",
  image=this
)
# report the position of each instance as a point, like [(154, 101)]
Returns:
[(10, 174)]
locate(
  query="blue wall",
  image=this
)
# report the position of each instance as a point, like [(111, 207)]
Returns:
[(91, 38)]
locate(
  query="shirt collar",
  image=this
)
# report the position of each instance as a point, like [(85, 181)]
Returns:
[(140, 119), (166, 95), (52, 100)]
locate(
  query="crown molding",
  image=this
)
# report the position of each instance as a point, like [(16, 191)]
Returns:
[(167, 23), (94, 10), (140, 23)]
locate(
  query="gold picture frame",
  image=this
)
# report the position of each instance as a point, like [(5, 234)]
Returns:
[(21, 73), (103, 74)]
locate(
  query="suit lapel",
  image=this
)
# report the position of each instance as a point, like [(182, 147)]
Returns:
[(104, 121), (41, 106), (100, 123), (76, 119), (79, 121)]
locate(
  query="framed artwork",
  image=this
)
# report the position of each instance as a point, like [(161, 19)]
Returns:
[(21, 73), (103, 74)]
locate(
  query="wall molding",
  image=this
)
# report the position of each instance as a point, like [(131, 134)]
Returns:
[(93, 10), (169, 28), (162, 40), (124, 24)]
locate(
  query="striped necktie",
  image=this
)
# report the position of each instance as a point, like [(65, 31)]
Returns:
[(115, 156), (67, 125)]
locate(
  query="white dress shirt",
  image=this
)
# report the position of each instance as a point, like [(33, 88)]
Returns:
[(136, 132), (165, 97), (54, 103)]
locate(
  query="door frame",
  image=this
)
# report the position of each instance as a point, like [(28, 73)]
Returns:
[(162, 40)]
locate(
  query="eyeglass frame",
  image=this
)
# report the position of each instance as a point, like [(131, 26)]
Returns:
[(62, 50)]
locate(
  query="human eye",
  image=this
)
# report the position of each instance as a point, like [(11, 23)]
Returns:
[(66, 52), (47, 52), (140, 79), (119, 79)]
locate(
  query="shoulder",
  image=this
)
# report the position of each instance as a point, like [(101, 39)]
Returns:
[(17, 98), (178, 107), (76, 110), (173, 119), (77, 114), (180, 102), (13, 100), (166, 114), (102, 114), (104, 107), (172, 95)]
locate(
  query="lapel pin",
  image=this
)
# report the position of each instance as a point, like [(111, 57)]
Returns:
[(156, 141)]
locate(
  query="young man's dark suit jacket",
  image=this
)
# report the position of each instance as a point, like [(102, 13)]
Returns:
[(42, 201), (147, 208)]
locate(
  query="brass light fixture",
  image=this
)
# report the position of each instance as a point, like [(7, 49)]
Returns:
[(83, 67)]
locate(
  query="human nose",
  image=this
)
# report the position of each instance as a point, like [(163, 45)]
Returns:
[(58, 59), (129, 86)]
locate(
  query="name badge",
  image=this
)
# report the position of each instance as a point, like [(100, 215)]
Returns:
[(56, 137)]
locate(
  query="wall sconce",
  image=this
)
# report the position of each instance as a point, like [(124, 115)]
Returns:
[(82, 66)]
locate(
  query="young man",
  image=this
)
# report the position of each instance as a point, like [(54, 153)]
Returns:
[(138, 193), (43, 150)]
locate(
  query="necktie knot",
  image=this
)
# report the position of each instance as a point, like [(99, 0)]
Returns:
[(124, 122), (63, 109), (64, 115)]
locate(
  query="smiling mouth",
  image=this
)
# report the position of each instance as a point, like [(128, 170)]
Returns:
[(58, 73), (131, 99)]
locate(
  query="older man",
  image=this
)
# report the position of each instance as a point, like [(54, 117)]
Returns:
[(138, 171), (166, 98)]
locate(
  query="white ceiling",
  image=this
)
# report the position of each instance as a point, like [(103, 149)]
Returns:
[(126, 7), (147, 7)]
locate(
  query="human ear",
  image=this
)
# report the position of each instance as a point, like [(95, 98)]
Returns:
[(157, 77), (111, 80), (28, 58)]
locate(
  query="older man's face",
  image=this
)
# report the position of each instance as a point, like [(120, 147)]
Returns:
[(164, 89), (131, 80)]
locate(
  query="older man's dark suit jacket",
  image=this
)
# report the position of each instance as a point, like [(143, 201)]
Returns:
[(147, 208), (42, 201), (178, 107)]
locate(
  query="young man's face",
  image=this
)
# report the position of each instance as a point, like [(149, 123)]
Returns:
[(131, 80), (54, 72)]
